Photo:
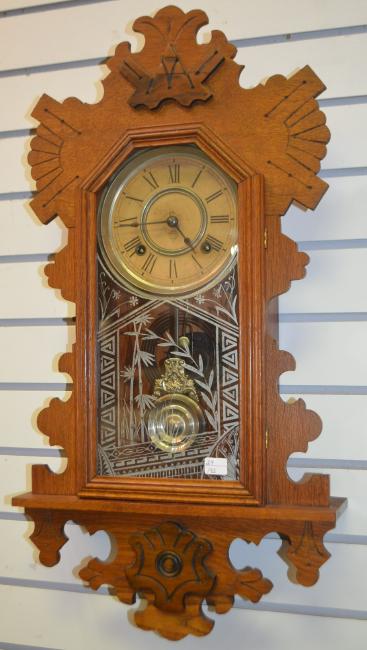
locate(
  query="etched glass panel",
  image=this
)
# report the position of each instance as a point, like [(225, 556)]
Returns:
[(174, 404)]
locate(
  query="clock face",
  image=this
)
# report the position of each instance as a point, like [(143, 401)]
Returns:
[(168, 222)]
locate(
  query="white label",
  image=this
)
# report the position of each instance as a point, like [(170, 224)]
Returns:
[(217, 466)]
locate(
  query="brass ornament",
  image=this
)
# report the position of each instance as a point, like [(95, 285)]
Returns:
[(176, 418), (175, 380)]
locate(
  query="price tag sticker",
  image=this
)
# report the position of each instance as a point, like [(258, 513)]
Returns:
[(215, 466)]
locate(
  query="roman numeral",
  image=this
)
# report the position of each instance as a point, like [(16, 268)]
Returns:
[(172, 269), (131, 244), (174, 173), (127, 223), (196, 261), (215, 243), (149, 263), (151, 180), (219, 218), (213, 196), (133, 198), (197, 178)]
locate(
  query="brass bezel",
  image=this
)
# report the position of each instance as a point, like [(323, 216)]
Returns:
[(132, 281)]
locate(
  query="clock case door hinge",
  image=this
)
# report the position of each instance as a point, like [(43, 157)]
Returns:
[(265, 238)]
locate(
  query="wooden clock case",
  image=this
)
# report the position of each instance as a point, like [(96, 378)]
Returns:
[(172, 536)]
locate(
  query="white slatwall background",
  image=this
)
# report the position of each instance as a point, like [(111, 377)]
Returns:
[(55, 47)]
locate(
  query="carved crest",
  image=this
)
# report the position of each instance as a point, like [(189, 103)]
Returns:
[(172, 65), (169, 571)]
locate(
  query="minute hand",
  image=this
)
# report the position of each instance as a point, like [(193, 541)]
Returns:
[(136, 224)]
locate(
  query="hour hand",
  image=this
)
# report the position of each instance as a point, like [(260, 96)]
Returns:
[(187, 241), (173, 222)]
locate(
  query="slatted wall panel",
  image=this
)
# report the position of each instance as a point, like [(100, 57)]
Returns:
[(57, 46)]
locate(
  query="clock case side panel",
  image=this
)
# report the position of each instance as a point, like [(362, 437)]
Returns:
[(59, 419), (290, 426), (250, 489), (64, 421)]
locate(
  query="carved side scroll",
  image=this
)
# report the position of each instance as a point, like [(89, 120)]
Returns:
[(306, 553), (48, 536)]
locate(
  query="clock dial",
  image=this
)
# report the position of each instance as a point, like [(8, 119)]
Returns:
[(168, 222)]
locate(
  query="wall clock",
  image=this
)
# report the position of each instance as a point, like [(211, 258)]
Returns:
[(172, 189)]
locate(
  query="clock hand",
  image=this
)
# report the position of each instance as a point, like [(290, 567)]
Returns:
[(136, 224), (187, 241), (173, 223)]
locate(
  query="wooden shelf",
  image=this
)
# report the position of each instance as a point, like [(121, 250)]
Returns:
[(76, 505)]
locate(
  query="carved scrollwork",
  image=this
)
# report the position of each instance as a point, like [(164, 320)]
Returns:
[(97, 573), (170, 564), (169, 571), (176, 570), (248, 583), (290, 103)]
